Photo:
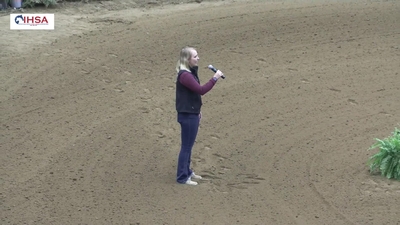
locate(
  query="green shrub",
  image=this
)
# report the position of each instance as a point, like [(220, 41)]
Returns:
[(387, 160), (33, 3)]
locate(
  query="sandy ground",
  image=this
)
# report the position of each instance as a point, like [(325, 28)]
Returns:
[(88, 124)]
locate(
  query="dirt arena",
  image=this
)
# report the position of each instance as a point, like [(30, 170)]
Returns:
[(88, 122)]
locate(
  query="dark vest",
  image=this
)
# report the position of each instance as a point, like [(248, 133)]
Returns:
[(187, 101)]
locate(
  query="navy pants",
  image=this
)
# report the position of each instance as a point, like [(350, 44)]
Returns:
[(189, 128)]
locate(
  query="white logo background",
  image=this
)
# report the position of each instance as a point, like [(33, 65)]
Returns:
[(14, 18)]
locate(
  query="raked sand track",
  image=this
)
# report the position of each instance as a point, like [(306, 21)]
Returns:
[(89, 132)]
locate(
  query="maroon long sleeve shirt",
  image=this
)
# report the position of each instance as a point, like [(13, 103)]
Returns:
[(190, 82)]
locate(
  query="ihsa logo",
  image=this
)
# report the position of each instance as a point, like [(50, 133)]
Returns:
[(32, 21)]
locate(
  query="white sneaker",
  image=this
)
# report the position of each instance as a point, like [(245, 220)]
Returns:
[(190, 182), (195, 176)]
